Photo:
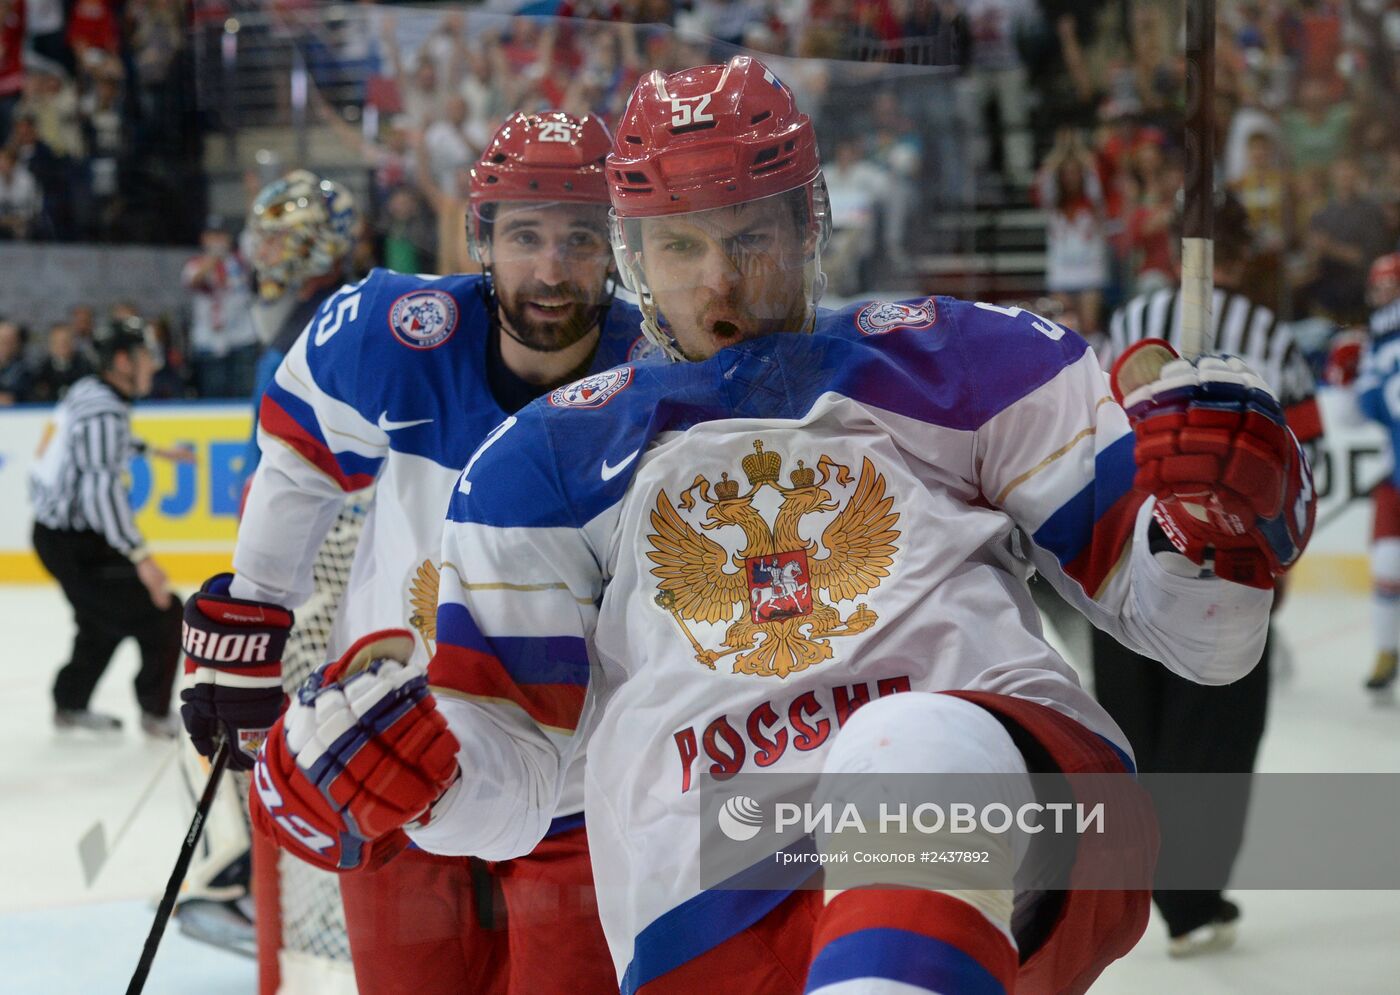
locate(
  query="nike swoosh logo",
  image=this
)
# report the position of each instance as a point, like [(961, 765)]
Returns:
[(385, 425), (612, 471)]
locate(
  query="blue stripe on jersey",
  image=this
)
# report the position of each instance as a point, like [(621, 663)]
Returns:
[(708, 919), (1123, 757), (1070, 529), (350, 463), (563, 824), (899, 955), (527, 659)]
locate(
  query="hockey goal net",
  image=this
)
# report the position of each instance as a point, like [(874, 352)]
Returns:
[(302, 944)]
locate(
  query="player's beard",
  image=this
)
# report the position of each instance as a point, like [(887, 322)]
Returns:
[(548, 333)]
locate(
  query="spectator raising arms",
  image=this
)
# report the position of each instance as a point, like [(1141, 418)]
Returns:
[(454, 141), (1076, 261)]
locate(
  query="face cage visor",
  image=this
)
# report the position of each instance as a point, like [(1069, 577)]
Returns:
[(726, 274)]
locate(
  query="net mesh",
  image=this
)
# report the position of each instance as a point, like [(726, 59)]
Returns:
[(313, 919)]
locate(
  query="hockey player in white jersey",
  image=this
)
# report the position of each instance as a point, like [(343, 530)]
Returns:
[(393, 383), (795, 553)]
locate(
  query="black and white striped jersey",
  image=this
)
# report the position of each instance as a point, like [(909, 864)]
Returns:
[(78, 482), (1239, 327)]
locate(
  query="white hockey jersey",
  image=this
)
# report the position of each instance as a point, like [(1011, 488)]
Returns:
[(708, 566)]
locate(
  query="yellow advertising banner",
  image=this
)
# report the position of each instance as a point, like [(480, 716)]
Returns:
[(187, 511)]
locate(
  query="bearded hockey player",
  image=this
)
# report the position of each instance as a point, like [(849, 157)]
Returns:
[(633, 559), (393, 383)]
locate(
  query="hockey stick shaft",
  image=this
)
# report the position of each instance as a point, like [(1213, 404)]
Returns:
[(1197, 228), (177, 876)]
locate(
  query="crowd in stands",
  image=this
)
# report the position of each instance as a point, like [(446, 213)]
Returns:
[(1080, 105), (424, 115), (1075, 105), (1307, 138), (40, 370), (97, 138)]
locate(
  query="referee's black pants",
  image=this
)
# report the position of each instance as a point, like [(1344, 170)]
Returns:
[(109, 603), (1177, 726)]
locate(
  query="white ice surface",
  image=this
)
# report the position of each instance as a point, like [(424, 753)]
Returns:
[(59, 937)]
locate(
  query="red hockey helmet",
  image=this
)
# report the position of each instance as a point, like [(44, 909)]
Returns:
[(708, 138), (550, 157), (1383, 283)]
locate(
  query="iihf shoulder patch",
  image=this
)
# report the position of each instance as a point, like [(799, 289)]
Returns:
[(424, 319), (885, 316), (592, 391)]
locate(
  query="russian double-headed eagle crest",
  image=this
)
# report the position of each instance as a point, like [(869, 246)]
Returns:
[(776, 592), (423, 596)]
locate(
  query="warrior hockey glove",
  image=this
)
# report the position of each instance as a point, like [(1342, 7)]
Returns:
[(361, 751), (1233, 488), (233, 654)]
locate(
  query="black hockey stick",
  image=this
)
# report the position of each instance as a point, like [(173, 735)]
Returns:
[(177, 876), (1197, 229)]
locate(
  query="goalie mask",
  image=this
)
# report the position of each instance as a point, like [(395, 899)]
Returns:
[(300, 227), (719, 207), (538, 224)]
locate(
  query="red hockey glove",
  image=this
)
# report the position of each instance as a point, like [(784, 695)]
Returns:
[(1233, 488), (1344, 358), (233, 654), (361, 752)]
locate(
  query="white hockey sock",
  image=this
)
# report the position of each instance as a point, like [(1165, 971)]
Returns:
[(1385, 588)]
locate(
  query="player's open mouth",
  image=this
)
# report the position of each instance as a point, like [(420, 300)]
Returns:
[(550, 309), (725, 330)]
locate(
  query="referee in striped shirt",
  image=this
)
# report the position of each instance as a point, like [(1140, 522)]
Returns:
[(86, 538), (1175, 725)]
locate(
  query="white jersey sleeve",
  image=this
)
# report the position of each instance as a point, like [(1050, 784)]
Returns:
[(316, 448), (517, 609)]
